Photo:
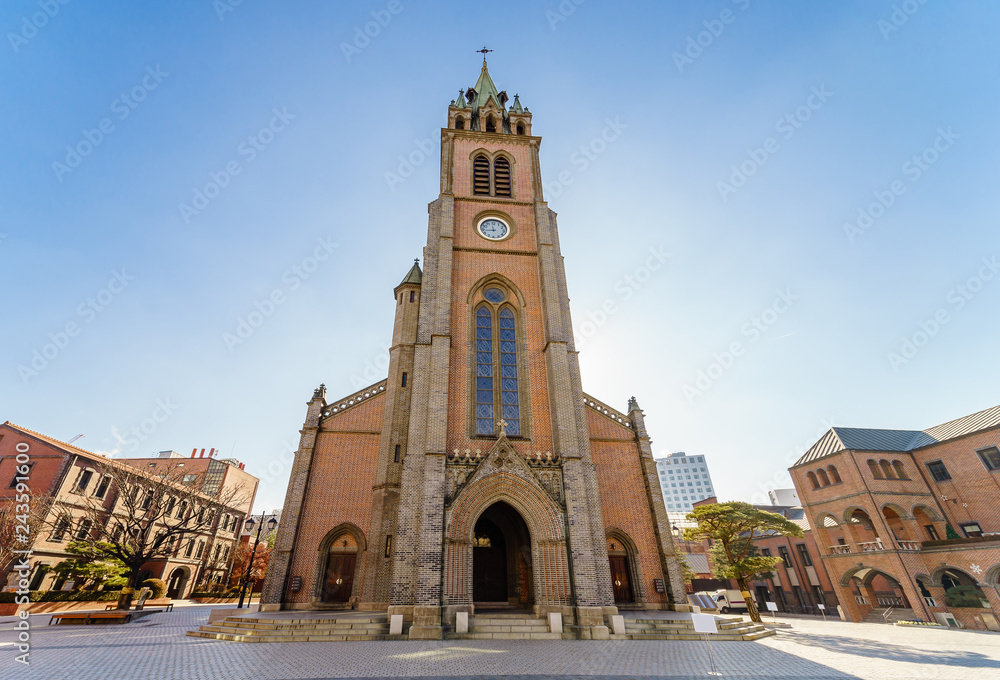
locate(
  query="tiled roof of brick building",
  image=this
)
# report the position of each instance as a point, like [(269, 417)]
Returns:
[(861, 439)]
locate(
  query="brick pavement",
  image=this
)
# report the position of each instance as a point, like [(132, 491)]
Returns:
[(157, 649)]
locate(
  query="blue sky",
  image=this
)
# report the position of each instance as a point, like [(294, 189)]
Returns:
[(817, 179)]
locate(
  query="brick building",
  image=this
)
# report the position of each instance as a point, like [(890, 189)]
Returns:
[(66, 479), (799, 583), (478, 473), (909, 520)]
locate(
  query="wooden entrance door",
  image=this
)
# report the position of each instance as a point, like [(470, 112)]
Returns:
[(339, 578), (620, 581)]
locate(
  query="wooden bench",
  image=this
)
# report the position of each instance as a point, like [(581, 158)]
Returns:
[(165, 602), (91, 617)]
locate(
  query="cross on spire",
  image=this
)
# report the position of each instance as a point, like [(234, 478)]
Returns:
[(484, 52)]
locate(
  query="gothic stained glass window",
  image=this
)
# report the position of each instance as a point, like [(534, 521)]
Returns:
[(508, 372), (484, 371), (497, 388)]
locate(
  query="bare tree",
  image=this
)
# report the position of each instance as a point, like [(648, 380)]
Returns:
[(22, 518), (144, 515)]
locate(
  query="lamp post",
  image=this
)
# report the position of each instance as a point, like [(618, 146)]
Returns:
[(677, 535), (250, 524)]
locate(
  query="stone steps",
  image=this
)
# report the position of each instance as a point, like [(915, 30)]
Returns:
[(897, 614), (496, 626), (488, 627), (239, 629), (677, 629)]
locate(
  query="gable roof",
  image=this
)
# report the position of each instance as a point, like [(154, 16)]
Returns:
[(839, 439), (69, 448)]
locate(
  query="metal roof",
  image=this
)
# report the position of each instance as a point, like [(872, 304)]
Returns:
[(839, 439)]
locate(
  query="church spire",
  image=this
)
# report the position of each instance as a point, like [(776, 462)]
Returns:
[(485, 108)]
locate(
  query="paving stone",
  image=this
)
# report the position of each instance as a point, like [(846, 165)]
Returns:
[(158, 649)]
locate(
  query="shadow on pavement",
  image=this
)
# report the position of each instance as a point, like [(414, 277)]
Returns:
[(875, 649)]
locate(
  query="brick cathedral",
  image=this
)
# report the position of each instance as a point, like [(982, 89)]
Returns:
[(479, 474)]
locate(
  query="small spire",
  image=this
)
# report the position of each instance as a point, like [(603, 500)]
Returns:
[(320, 392), (633, 405), (414, 276)]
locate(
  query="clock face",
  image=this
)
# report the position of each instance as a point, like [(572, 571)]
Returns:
[(493, 228)]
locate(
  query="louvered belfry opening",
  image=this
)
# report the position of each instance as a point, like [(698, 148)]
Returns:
[(501, 176), (481, 176)]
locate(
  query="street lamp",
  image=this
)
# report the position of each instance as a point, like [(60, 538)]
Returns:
[(677, 536), (250, 524)]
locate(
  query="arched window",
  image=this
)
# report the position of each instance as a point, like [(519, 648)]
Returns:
[(520, 128), (898, 467), (496, 368), (886, 469), (459, 123), (501, 176), (876, 472), (508, 372), (491, 124), (481, 176), (823, 479), (834, 475), (811, 476), (484, 371)]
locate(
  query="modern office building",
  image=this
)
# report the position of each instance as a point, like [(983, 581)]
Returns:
[(684, 480)]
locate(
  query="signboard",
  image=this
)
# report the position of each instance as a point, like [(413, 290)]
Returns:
[(704, 623), (773, 607), (821, 606), (296, 584), (658, 585)]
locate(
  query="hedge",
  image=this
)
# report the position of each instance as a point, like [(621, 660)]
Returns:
[(63, 596)]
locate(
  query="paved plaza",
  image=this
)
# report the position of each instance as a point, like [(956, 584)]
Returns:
[(156, 648)]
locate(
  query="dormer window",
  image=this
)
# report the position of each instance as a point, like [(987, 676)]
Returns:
[(520, 128), (459, 123), (491, 124)]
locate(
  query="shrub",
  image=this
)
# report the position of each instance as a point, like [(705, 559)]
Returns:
[(157, 586), (62, 596)]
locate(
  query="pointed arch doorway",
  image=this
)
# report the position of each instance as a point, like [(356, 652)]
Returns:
[(501, 559)]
